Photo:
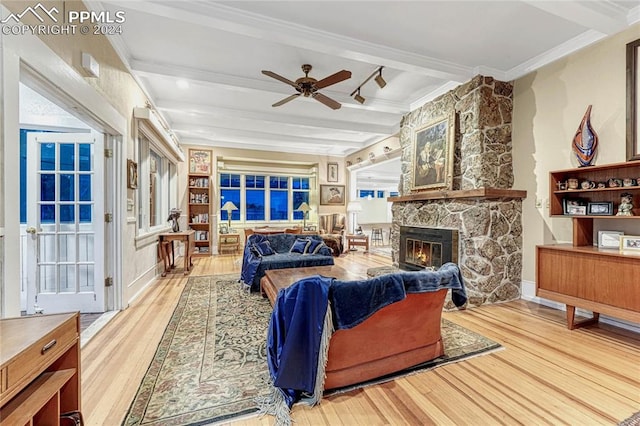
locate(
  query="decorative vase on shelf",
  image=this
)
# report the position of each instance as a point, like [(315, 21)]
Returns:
[(585, 141)]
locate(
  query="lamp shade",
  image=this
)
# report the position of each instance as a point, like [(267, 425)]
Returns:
[(354, 206), (304, 207), (229, 207)]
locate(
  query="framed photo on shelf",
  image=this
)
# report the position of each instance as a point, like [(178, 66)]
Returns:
[(432, 162), (132, 174), (609, 239), (224, 228), (332, 172), (630, 243), (200, 161), (600, 209), (574, 207), (332, 195)]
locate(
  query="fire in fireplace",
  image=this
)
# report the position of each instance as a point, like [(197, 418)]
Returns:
[(427, 247)]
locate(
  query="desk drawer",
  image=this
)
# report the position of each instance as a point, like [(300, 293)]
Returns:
[(38, 357)]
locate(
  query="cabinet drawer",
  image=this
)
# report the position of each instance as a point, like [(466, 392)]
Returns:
[(38, 357)]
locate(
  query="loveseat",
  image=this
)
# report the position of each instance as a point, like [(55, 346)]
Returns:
[(279, 251), (382, 325)]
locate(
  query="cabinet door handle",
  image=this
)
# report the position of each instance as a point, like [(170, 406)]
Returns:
[(48, 346)]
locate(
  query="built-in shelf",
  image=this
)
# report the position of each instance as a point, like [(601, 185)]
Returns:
[(477, 193)]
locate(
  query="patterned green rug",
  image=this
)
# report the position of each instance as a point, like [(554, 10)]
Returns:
[(210, 364)]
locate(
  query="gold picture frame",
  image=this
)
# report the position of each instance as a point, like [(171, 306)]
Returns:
[(432, 162), (332, 195), (633, 100), (200, 161)]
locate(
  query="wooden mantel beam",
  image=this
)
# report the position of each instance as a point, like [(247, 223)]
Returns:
[(477, 193)]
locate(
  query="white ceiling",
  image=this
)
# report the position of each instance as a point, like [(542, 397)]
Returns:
[(426, 48)]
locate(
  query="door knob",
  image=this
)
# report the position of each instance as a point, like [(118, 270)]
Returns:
[(31, 230)]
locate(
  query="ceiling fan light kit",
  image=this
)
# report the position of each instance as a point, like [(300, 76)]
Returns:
[(309, 86), (379, 80)]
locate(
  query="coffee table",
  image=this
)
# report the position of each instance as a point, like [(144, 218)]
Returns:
[(275, 280)]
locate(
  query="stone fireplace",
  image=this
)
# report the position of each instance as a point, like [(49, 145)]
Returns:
[(481, 206)]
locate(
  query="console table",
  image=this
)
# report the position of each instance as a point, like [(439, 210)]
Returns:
[(39, 368), (229, 242), (189, 248), (361, 240)]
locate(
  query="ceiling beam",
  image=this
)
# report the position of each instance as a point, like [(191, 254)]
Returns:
[(335, 150), (606, 17), (225, 18), (221, 113)]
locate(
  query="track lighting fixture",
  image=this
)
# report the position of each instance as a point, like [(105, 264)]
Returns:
[(378, 79)]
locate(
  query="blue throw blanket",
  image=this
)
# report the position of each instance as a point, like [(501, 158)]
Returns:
[(302, 323), (355, 301), (250, 263)]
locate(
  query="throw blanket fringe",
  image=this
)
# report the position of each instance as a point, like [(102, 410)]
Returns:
[(275, 405)]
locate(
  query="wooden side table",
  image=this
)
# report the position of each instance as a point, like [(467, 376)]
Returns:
[(228, 242), (188, 237), (354, 240)]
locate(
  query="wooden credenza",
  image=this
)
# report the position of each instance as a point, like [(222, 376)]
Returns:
[(601, 280), (39, 368), (581, 275)]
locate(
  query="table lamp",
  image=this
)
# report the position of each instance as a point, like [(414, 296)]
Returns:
[(354, 207), (229, 207), (304, 208)]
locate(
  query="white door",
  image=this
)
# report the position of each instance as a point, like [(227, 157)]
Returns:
[(65, 222)]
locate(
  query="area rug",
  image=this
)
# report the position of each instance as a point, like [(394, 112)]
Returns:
[(634, 420), (210, 364)]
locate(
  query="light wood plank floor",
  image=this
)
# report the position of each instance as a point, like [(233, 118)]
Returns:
[(546, 375)]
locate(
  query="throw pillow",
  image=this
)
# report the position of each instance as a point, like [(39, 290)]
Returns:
[(313, 247), (299, 246), (264, 248)]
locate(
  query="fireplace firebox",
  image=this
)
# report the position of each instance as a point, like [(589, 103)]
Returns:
[(427, 247)]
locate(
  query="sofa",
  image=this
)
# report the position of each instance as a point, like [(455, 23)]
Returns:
[(352, 331), (280, 253)]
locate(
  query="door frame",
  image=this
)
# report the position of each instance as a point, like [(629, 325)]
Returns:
[(20, 58)]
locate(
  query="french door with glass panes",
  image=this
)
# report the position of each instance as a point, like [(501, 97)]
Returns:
[(65, 222)]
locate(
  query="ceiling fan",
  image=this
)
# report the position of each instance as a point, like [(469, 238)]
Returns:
[(309, 86)]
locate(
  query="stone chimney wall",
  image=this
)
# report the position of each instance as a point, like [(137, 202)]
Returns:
[(490, 229)]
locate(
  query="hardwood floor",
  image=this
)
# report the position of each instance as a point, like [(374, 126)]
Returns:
[(545, 375)]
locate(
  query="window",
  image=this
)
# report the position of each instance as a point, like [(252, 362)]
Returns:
[(380, 194), (366, 193), (264, 197), (157, 185), (230, 191)]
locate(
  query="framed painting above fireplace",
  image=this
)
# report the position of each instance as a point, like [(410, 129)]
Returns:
[(432, 162)]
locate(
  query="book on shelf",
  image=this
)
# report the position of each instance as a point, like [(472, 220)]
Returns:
[(198, 198), (202, 182), (202, 218)]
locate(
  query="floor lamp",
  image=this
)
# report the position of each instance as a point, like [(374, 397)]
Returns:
[(354, 207)]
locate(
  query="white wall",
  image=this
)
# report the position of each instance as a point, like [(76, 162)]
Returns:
[(548, 107)]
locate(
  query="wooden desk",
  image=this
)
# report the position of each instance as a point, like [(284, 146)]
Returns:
[(39, 368), (189, 248), (354, 240)]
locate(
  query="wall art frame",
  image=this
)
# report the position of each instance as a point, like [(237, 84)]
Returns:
[(604, 208), (200, 161), (609, 239), (432, 161), (633, 100), (332, 172), (132, 174), (332, 195)]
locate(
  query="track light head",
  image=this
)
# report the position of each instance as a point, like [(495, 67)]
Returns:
[(379, 79), (358, 97)]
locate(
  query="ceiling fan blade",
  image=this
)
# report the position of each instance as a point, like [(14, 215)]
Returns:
[(333, 79), (285, 100), (280, 78), (326, 100)]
